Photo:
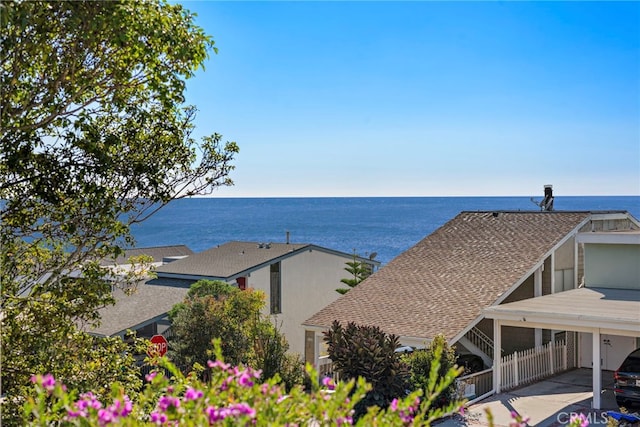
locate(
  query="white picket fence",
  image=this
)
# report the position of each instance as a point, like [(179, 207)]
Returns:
[(530, 365)]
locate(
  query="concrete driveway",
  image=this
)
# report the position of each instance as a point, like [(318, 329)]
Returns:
[(547, 403)]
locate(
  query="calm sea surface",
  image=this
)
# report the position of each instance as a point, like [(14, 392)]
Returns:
[(385, 225)]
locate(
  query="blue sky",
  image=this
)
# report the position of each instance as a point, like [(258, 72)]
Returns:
[(423, 98)]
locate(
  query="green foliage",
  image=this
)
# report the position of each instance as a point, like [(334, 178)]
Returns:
[(270, 355), (438, 355), (367, 352), (358, 270), (86, 362), (232, 396), (226, 313), (217, 310), (93, 138)]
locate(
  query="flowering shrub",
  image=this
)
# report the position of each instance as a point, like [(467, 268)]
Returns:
[(234, 395)]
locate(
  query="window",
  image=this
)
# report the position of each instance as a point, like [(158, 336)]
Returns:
[(276, 289)]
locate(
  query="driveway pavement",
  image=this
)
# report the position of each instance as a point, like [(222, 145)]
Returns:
[(547, 403)]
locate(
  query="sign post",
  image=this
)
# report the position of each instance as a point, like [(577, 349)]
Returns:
[(159, 346)]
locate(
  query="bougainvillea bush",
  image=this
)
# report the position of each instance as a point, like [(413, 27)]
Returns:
[(233, 396)]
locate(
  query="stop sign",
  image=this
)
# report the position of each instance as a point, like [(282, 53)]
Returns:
[(159, 346)]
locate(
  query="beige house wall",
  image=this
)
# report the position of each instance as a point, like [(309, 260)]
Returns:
[(302, 294), (564, 255)]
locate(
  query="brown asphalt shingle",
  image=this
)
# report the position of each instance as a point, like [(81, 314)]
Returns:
[(147, 302), (228, 259), (155, 252), (443, 282)]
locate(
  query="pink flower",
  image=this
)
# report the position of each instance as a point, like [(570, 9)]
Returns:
[(328, 383), (47, 381), (245, 379), (150, 376), (158, 418), (105, 417), (192, 394), (218, 364), (165, 402), (393, 405)]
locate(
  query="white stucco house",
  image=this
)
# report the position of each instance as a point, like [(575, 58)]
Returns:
[(298, 279)]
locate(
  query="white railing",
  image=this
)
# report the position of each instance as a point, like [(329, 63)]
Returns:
[(526, 366), (476, 386), (325, 368), (480, 340)]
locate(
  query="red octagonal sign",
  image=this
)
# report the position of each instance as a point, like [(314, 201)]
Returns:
[(159, 346)]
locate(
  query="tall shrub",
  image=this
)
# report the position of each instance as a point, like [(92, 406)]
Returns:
[(439, 355), (368, 352)]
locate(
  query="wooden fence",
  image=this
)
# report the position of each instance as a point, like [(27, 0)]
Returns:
[(530, 365)]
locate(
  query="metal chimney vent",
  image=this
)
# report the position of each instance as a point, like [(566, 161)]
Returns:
[(546, 204)]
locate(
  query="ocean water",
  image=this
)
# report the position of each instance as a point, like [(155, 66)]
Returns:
[(386, 226)]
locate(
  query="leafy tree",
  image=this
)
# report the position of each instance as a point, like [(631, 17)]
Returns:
[(358, 270), (216, 310), (94, 138), (368, 352), (438, 354), (213, 309)]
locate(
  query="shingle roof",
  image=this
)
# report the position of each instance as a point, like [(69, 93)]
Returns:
[(443, 282), (229, 259), (156, 252), (147, 302)]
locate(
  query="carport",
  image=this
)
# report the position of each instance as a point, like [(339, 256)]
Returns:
[(592, 310)]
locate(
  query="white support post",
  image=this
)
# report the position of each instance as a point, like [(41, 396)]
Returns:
[(497, 355), (537, 291), (553, 273), (597, 375), (316, 351), (516, 369), (576, 251)]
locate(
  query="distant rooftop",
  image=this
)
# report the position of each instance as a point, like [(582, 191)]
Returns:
[(148, 303), (158, 253), (229, 259)]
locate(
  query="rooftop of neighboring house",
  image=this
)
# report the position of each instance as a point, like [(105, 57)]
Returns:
[(158, 253), (443, 283), (234, 258), (146, 303)]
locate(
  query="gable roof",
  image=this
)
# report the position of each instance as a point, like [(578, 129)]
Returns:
[(148, 303), (444, 282), (236, 258)]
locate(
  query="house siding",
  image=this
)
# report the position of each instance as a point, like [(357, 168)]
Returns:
[(515, 339), (524, 291), (547, 275), (302, 294)]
